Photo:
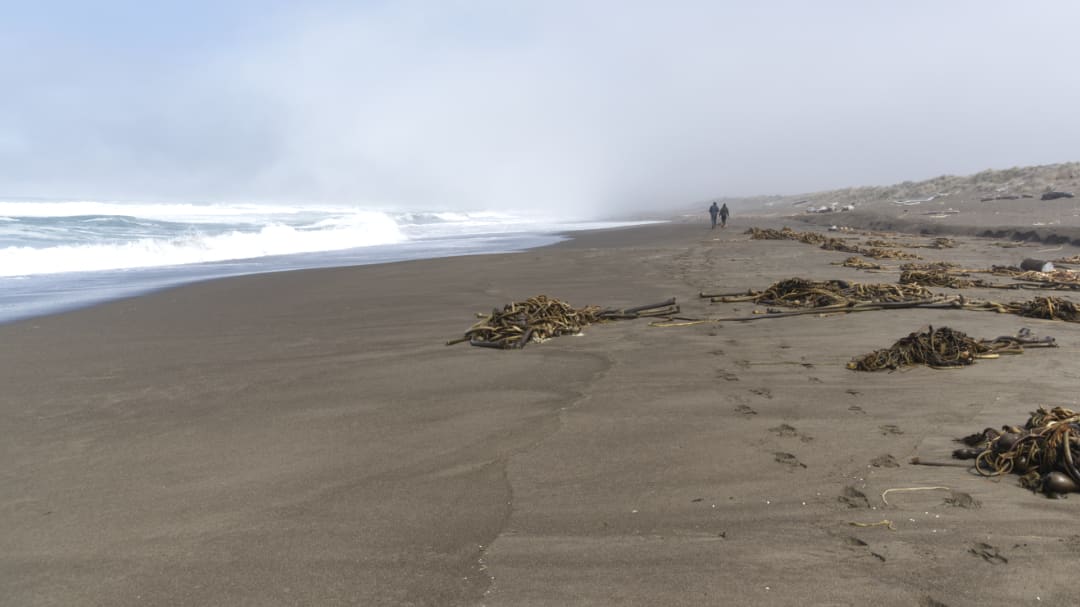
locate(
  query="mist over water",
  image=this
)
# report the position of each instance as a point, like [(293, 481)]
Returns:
[(570, 109), (62, 255)]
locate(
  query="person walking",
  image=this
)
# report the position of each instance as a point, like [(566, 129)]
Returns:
[(713, 212), (724, 213)]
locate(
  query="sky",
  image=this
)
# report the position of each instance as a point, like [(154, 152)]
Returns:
[(584, 108)]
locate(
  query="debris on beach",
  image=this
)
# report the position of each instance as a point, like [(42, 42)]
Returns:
[(939, 278), (945, 274), (859, 263), (1056, 195), (943, 348), (540, 318), (828, 243), (1051, 278), (1044, 452), (1047, 308), (803, 293), (1068, 261)]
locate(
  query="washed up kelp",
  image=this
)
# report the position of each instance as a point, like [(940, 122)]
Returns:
[(786, 234), (1045, 452), (803, 293), (933, 266), (1047, 308), (880, 253), (858, 263), (828, 243), (938, 278), (942, 348), (1055, 279), (540, 318)]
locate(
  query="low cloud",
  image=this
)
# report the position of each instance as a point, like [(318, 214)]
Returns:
[(581, 109)]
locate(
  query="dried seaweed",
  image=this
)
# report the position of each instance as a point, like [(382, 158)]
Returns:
[(1044, 452), (942, 348), (540, 318), (1048, 308), (803, 293), (858, 263), (938, 278)]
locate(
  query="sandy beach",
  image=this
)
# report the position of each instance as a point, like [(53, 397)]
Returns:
[(306, 438)]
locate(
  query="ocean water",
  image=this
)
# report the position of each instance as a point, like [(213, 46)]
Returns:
[(58, 256)]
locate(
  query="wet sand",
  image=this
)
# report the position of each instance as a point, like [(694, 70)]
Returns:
[(306, 438)]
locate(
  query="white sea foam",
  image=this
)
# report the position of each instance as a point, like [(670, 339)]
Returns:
[(85, 236), (358, 230)]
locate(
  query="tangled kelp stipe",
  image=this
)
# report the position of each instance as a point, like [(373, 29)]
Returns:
[(858, 263), (803, 293), (943, 348), (1044, 452), (933, 266), (938, 278), (1066, 280), (540, 318), (1047, 308), (829, 243)]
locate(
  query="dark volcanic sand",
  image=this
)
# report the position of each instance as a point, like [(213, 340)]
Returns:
[(305, 438)]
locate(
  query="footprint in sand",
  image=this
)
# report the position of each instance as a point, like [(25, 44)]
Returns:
[(745, 410), (988, 553), (785, 431), (884, 461), (726, 375), (788, 460), (814, 380), (856, 409), (855, 542), (763, 392), (853, 392), (888, 429), (854, 498), (959, 499), (717, 352)]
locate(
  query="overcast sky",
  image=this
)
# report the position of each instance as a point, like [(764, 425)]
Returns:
[(487, 104)]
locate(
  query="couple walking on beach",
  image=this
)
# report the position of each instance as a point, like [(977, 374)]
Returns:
[(722, 212)]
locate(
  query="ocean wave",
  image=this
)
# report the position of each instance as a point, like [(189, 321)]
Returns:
[(194, 246)]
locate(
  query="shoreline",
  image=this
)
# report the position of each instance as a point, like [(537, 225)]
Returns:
[(305, 437)]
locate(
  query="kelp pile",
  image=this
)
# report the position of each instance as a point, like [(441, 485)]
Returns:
[(541, 317), (942, 348), (1047, 308), (1044, 452), (879, 253), (1054, 279), (858, 263), (803, 293), (785, 234), (933, 266), (827, 243), (938, 278), (1068, 261)]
